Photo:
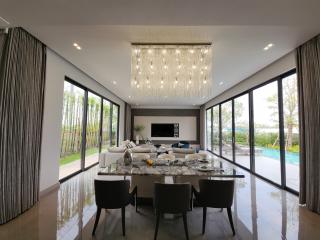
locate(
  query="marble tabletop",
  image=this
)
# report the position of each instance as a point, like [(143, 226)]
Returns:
[(180, 167)]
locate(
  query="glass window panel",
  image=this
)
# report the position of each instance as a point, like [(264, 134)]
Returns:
[(216, 130), (114, 137), (93, 129), (291, 130), (266, 132), (71, 133), (209, 129), (226, 130), (241, 122), (106, 125)]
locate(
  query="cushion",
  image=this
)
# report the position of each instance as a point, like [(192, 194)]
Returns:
[(165, 156), (124, 143), (116, 149), (141, 150), (140, 156), (183, 150)]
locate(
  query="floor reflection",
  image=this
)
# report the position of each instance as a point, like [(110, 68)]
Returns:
[(76, 204), (261, 211)]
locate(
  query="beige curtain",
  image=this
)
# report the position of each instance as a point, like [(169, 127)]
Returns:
[(308, 69), (22, 82)]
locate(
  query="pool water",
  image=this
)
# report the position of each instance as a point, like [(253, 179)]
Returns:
[(291, 157)]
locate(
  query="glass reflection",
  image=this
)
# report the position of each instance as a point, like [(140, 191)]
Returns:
[(76, 204)]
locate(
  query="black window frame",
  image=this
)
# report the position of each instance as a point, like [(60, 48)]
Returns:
[(84, 125), (277, 79)]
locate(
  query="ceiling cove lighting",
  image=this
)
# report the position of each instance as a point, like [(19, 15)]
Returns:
[(180, 70), (270, 45)]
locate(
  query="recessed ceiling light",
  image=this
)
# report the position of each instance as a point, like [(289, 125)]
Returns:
[(220, 83), (114, 82), (77, 46), (270, 45)]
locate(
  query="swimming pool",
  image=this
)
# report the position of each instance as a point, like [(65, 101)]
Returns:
[(292, 158)]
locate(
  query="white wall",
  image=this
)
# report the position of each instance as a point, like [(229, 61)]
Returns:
[(187, 126), (282, 65), (57, 69)]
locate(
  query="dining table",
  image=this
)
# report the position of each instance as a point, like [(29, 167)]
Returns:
[(210, 167)]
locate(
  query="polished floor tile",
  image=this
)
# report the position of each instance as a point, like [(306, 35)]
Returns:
[(260, 211)]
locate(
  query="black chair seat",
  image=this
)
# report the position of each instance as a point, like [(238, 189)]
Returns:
[(215, 194), (113, 195), (172, 198)]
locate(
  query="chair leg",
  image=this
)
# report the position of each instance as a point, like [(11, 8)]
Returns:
[(230, 220), (157, 224), (96, 221), (136, 198), (204, 218), (185, 225), (221, 209), (123, 216)]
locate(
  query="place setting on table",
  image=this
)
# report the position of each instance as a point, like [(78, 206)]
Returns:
[(168, 166)]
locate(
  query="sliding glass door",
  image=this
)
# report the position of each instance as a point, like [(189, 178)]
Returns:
[(241, 129), (90, 124), (209, 128), (291, 131), (259, 130), (93, 129), (114, 130), (106, 120), (266, 132), (226, 130), (216, 130), (72, 128)]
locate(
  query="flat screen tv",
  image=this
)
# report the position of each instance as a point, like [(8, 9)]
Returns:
[(164, 130)]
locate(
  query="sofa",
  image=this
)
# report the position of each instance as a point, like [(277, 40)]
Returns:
[(182, 152), (115, 153), (181, 144)]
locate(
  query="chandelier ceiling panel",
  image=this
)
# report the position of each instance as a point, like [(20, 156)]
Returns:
[(175, 70)]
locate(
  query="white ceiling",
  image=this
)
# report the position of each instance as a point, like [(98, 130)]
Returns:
[(239, 30)]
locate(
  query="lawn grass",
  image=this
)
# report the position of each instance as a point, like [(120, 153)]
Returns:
[(76, 156)]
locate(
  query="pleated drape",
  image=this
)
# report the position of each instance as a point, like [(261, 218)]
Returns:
[(22, 83), (308, 70), (127, 126)]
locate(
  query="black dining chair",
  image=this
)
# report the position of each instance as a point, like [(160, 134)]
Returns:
[(113, 195), (215, 194), (172, 198)]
